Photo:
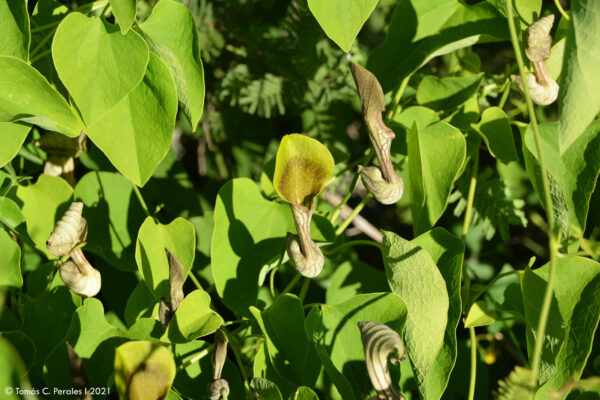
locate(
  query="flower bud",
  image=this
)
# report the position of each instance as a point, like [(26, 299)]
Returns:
[(379, 341), (539, 41), (85, 282), (217, 388), (68, 232), (542, 94), (383, 191)]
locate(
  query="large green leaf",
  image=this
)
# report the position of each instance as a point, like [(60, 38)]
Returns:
[(136, 133), (25, 95), (351, 278), (579, 96), (496, 132), (436, 154), (447, 93), (572, 174), (193, 319), (97, 64), (573, 318), (342, 19), (420, 30), (249, 233), (178, 237), (172, 34), (446, 251), (13, 373), (14, 30), (288, 349), (124, 11), (414, 276), (94, 340), (12, 136), (13, 219), (114, 216), (10, 260), (335, 334), (44, 203)]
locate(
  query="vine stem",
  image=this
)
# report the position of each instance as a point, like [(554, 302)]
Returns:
[(467, 280), (292, 283), (351, 243), (336, 211), (552, 243), (138, 194), (354, 213), (395, 108), (561, 10)]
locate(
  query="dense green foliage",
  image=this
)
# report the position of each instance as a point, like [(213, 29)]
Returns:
[(164, 119)]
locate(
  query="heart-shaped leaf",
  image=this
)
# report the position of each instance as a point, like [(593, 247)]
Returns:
[(193, 319), (14, 30), (124, 11), (97, 64)]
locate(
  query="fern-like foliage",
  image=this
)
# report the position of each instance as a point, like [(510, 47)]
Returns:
[(494, 206), (516, 386)]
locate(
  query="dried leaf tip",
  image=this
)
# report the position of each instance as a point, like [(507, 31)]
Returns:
[(385, 185), (379, 341)]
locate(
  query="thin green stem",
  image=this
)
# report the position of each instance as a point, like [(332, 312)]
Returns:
[(41, 43), (304, 289), (336, 211), (195, 280), (351, 244), (201, 354), (505, 94), (396, 108), (473, 377), (353, 214), (40, 56), (561, 10), (45, 27), (470, 196), (552, 242), (138, 194), (491, 283), (292, 283)]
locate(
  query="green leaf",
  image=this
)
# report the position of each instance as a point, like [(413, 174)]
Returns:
[(334, 331), (304, 393), (114, 216), (265, 389), (13, 372), (479, 315), (93, 339), (14, 30), (23, 345), (10, 259), (572, 174), (414, 276), (124, 11), (151, 258), (288, 349), (12, 138), (136, 133), (342, 19), (436, 153), (97, 64), (447, 93), (496, 132), (446, 251), (302, 168), (25, 95), (172, 34), (193, 319), (13, 219), (579, 96), (44, 203), (140, 303), (143, 370), (573, 318), (46, 320), (351, 278), (420, 30), (249, 233)]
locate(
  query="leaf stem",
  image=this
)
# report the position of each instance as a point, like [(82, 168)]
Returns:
[(336, 211), (473, 376), (304, 289), (552, 243), (470, 196), (291, 285), (396, 108), (195, 280), (200, 355), (351, 244), (41, 43), (561, 10), (353, 214), (39, 56), (138, 194), (233, 344)]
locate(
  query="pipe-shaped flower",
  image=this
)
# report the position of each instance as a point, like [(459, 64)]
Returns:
[(302, 167), (382, 182), (379, 341), (68, 232), (542, 88), (218, 386)]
